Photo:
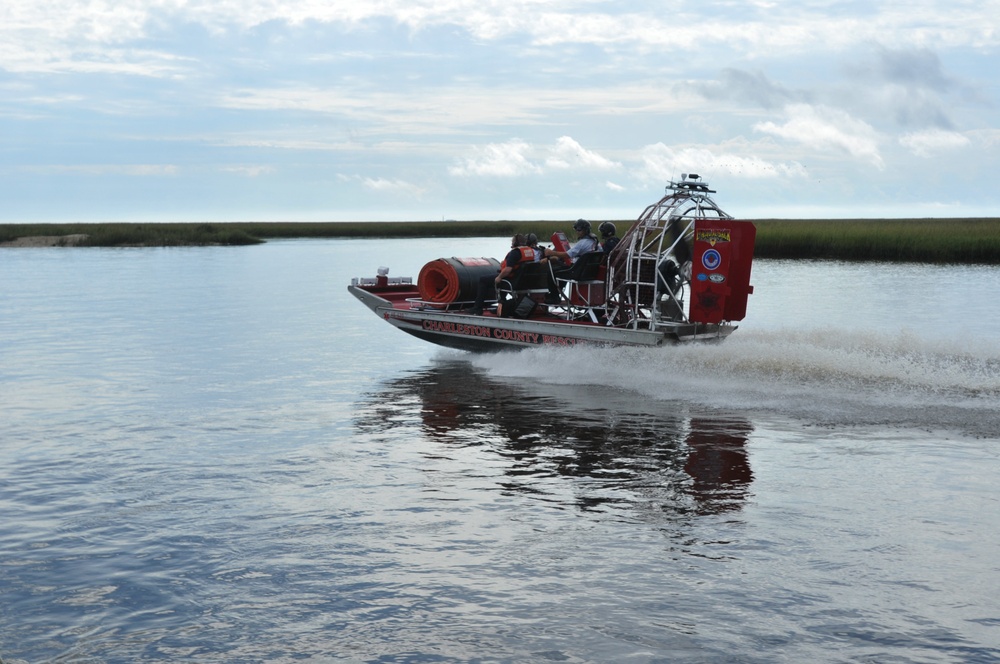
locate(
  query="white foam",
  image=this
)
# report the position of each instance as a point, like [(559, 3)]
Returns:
[(830, 375)]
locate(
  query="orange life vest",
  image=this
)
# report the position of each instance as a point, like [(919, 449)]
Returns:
[(527, 256)]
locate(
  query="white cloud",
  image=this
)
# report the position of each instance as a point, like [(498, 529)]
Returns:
[(824, 128), (301, 143), (567, 153), (517, 157), (924, 143), (391, 186), (988, 138), (70, 34), (660, 163), (453, 109), (510, 159), (383, 185), (137, 170), (249, 171), (536, 101)]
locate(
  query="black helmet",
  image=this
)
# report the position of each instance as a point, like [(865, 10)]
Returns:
[(532, 239), (607, 229), (582, 225), (518, 240)]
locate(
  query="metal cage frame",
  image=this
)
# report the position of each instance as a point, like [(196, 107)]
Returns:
[(639, 292)]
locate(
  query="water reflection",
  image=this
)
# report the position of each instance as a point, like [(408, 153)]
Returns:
[(618, 449)]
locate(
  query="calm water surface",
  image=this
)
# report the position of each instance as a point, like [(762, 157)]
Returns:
[(217, 455)]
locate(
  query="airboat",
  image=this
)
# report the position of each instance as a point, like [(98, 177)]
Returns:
[(679, 274)]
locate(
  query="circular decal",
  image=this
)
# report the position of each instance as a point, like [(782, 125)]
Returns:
[(711, 259)]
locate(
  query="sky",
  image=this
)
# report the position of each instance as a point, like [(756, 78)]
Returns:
[(368, 110)]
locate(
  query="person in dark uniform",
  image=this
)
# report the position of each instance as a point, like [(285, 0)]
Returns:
[(609, 240), (519, 254)]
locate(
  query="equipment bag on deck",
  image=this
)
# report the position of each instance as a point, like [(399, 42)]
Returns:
[(519, 306)]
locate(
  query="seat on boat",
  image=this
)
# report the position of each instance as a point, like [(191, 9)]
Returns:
[(587, 267), (530, 277), (529, 280), (582, 287)]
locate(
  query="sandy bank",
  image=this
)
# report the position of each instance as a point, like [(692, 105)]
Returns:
[(46, 241)]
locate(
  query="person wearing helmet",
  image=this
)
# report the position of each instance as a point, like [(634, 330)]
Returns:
[(542, 253), (533, 243), (585, 242), (608, 238)]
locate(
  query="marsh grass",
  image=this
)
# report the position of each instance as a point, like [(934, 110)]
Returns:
[(405, 229), (918, 240), (971, 240), (137, 235)]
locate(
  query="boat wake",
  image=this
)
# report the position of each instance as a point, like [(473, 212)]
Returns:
[(826, 377)]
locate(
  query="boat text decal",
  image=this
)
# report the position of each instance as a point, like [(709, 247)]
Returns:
[(497, 333), (712, 235)]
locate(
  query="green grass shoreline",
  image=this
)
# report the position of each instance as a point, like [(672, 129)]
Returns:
[(954, 240)]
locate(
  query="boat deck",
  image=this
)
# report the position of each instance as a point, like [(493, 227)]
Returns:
[(406, 297)]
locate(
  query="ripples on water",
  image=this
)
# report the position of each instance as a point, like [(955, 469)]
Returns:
[(617, 452), (185, 477)]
